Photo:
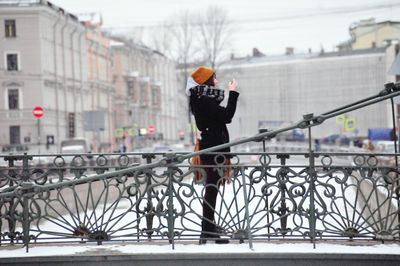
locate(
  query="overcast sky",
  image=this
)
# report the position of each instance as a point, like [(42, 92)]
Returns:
[(269, 25)]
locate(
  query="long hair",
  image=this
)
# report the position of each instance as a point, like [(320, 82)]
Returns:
[(210, 81)]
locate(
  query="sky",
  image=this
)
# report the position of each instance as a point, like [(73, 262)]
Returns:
[(269, 25)]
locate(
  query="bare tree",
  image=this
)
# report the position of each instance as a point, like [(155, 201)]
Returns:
[(174, 38), (192, 38), (182, 35), (136, 34), (215, 34), (161, 39)]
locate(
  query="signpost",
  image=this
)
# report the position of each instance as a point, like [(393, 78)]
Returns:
[(38, 112)]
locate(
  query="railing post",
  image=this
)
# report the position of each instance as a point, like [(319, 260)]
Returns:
[(25, 178), (25, 166), (10, 219), (246, 204), (25, 221), (312, 218), (263, 130), (149, 207), (171, 222), (395, 158), (25, 200), (266, 197), (282, 187)]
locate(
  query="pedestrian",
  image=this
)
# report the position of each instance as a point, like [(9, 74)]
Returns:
[(211, 119), (122, 148), (370, 146), (317, 145)]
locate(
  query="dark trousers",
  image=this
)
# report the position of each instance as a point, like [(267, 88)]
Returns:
[(209, 201)]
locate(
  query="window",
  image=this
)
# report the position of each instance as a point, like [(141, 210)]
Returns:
[(13, 99), (71, 125), (10, 28), (15, 135), (155, 96), (143, 93), (131, 87), (12, 62)]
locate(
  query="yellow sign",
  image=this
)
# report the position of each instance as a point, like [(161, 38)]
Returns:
[(131, 131), (119, 132), (340, 119), (350, 124)]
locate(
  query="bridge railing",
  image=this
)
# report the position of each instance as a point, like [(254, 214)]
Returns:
[(107, 197), (270, 196)]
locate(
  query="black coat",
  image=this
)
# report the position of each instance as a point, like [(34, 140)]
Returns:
[(211, 120)]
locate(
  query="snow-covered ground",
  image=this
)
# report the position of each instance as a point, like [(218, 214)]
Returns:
[(135, 249)]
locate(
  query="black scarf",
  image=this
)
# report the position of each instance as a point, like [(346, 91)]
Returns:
[(204, 90)]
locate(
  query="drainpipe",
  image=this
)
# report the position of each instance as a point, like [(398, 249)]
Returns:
[(65, 87), (91, 88), (81, 35), (73, 73), (110, 100), (98, 88), (94, 84), (56, 78)]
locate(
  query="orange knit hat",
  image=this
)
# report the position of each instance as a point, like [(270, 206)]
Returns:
[(202, 74)]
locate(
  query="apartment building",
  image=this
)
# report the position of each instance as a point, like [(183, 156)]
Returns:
[(146, 99), (276, 91), (98, 108), (43, 49)]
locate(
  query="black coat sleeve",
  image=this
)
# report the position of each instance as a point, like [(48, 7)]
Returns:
[(220, 113)]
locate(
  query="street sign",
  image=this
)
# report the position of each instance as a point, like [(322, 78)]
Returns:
[(151, 129), (142, 131), (350, 124), (340, 120), (38, 112), (50, 139)]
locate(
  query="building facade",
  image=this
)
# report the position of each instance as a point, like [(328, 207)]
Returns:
[(277, 91), (43, 49), (89, 85), (98, 109), (367, 34), (146, 96)]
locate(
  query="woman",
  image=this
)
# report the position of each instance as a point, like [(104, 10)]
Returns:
[(211, 120)]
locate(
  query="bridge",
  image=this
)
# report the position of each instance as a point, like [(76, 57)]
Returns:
[(148, 198)]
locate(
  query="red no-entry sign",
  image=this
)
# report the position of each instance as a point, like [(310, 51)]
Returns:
[(38, 111), (151, 129)]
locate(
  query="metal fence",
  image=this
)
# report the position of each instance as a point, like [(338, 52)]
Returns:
[(271, 196), (147, 197)]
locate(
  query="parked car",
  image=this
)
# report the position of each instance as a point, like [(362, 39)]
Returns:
[(14, 149), (70, 151), (384, 146), (162, 149), (74, 145), (337, 139), (292, 135)]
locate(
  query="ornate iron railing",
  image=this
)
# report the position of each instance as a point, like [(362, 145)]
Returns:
[(139, 197)]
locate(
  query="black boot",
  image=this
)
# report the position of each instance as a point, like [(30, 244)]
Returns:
[(209, 231), (217, 238), (218, 231), (203, 239)]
